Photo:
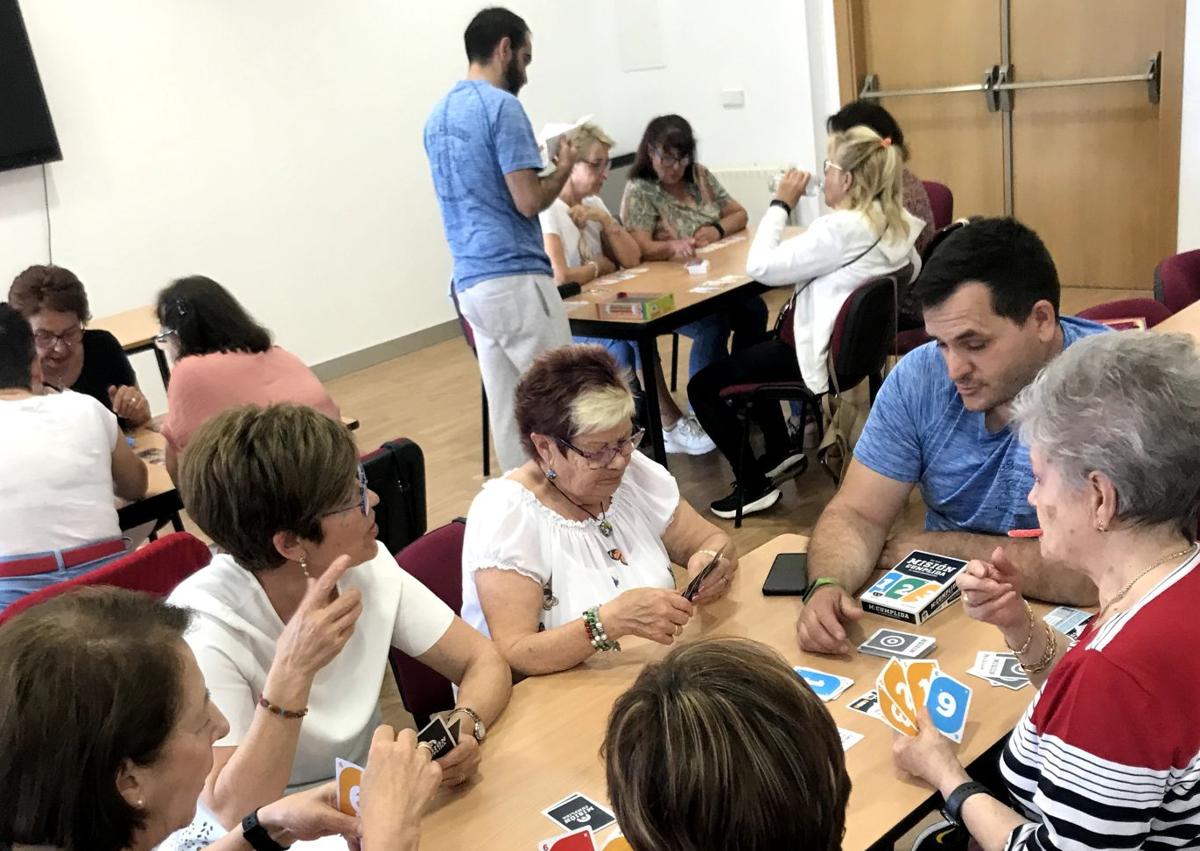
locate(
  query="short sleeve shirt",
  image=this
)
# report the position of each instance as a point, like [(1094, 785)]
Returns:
[(579, 246), (918, 431), (647, 206), (105, 365), (474, 136)]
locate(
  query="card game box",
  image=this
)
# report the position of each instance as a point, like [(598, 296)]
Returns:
[(642, 306), (918, 587)]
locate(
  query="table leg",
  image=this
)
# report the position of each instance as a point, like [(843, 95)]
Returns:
[(163, 368), (648, 351)]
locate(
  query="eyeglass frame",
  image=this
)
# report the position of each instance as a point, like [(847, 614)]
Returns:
[(164, 334), (670, 160), (593, 458), (41, 343), (363, 503), (599, 166), (828, 164)]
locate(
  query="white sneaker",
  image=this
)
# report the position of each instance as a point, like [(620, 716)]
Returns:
[(687, 437)]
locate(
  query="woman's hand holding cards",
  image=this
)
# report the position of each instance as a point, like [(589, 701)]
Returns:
[(991, 592), (399, 781), (658, 614), (462, 763), (716, 584), (929, 755)]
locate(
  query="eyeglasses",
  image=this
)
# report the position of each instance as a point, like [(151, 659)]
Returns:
[(46, 341), (604, 456), (831, 164), (362, 502), (164, 334), (598, 166), (670, 160)]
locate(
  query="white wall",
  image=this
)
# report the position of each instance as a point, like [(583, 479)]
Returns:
[(1189, 147), (277, 147)]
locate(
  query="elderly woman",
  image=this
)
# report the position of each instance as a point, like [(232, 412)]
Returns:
[(673, 205), (1107, 754), (222, 359), (583, 242), (296, 616), (697, 756), (868, 233), (572, 551), (86, 361), (107, 732)]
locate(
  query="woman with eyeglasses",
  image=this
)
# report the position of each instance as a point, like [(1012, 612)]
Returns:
[(295, 617), (71, 356), (572, 552), (584, 242)]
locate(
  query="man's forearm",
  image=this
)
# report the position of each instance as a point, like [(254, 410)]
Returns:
[(1041, 580), (844, 547)]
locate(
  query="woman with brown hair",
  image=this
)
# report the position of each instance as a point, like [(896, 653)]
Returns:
[(721, 746)]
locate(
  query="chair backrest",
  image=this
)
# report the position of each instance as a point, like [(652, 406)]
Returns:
[(1177, 280), (396, 472), (939, 236), (468, 331), (435, 560), (864, 331), (155, 568), (1127, 308), (941, 201)]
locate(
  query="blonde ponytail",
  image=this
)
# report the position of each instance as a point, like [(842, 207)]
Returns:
[(877, 167)]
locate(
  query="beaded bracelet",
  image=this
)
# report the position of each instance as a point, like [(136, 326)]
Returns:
[(595, 631), (279, 710)]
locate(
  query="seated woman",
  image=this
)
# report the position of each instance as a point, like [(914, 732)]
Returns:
[(673, 205), (572, 551), (65, 459), (583, 242), (221, 359), (86, 361), (107, 732), (295, 618), (1107, 754), (868, 233), (721, 745)]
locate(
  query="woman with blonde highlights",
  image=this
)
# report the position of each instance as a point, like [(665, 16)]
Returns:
[(868, 233), (572, 552)]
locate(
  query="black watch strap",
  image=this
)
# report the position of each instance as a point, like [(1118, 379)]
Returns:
[(257, 835), (956, 799), (720, 229), (781, 204)]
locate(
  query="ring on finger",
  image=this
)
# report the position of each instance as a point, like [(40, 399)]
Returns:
[(426, 746)]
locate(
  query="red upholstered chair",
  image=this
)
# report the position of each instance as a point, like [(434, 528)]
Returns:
[(941, 201), (435, 560), (1177, 280), (155, 568), (859, 347), (910, 334), (469, 336), (1127, 308)]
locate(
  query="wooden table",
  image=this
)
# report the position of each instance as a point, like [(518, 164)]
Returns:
[(135, 330), (546, 744), (727, 258), (1186, 321), (162, 501)]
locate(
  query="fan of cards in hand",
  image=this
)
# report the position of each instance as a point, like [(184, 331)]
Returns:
[(904, 686)]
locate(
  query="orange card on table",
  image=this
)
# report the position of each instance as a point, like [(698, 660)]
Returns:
[(920, 674), (617, 843), (349, 780)]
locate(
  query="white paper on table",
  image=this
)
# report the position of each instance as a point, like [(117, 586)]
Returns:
[(325, 843)]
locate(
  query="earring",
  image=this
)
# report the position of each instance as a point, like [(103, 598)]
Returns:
[(141, 804), (304, 566), (550, 474), (1101, 526)]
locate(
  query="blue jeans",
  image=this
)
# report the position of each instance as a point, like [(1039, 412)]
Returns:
[(746, 321), (13, 588)]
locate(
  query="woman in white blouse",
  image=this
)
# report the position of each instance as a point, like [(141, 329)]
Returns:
[(294, 620), (572, 551)]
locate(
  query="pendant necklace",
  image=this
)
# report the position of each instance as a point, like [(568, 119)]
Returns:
[(602, 523)]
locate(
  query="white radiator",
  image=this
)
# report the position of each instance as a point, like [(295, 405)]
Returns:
[(749, 186)]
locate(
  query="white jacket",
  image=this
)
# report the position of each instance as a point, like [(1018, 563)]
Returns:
[(816, 263)]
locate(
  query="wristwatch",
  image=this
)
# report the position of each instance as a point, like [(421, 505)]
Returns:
[(257, 835), (955, 800), (479, 731), (781, 204), (721, 230)]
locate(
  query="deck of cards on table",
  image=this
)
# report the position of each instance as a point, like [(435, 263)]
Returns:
[(999, 669), (892, 643), (904, 686), (917, 588)]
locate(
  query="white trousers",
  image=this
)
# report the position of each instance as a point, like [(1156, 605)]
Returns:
[(514, 319)]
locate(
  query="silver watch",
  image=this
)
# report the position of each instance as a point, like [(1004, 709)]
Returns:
[(478, 730)]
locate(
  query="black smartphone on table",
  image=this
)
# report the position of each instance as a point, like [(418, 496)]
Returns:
[(788, 576)]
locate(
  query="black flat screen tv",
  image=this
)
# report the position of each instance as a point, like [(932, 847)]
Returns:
[(27, 134)]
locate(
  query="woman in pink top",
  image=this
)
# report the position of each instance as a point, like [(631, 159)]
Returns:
[(222, 359)]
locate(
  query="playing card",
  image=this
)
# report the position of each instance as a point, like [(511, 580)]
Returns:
[(576, 840), (999, 669), (617, 842), (577, 810), (919, 673), (892, 643), (849, 738), (438, 735), (868, 704), (1070, 622), (948, 702), (693, 587), (893, 682), (827, 686), (896, 715), (349, 780)]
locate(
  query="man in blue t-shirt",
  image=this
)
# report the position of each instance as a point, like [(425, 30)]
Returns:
[(989, 296), (485, 163)]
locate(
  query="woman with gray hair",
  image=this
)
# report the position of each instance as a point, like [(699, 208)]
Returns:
[(1108, 753)]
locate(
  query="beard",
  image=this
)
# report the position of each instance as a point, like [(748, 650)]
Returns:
[(514, 78)]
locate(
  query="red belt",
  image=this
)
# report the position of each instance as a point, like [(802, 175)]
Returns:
[(71, 557)]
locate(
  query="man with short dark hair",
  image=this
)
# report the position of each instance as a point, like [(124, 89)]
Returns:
[(486, 165), (990, 296)]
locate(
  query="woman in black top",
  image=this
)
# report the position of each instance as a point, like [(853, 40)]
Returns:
[(91, 362)]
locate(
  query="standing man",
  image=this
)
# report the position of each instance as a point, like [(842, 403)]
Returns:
[(485, 164)]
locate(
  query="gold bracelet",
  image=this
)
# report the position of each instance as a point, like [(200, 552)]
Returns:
[(1047, 657), (1029, 638)]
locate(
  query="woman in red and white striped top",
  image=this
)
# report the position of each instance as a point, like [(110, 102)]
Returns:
[(1108, 754)]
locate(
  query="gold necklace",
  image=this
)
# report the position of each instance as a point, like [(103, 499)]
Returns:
[(1121, 594)]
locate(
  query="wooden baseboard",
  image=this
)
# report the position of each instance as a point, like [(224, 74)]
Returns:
[(377, 354)]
